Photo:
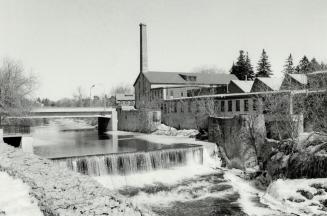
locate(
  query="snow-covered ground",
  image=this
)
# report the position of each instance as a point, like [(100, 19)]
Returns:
[(15, 199)]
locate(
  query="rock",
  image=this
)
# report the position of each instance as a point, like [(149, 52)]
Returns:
[(263, 180), (306, 194), (323, 202), (316, 185), (319, 193), (292, 199)]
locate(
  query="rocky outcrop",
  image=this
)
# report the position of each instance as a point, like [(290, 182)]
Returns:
[(297, 159), (60, 191), (240, 138)]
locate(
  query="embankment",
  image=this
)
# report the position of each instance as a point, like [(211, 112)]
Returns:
[(60, 191)]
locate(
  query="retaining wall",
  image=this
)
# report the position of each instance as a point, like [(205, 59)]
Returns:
[(145, 121), (60, 191)]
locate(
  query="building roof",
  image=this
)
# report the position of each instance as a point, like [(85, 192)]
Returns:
[(273, 83), (156, 77), (301, 78), (125, 97), (244, 85)]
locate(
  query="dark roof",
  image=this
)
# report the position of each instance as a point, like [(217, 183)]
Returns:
[(125, 97), (156, 77)]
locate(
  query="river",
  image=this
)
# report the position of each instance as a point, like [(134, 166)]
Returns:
[(183, 181)]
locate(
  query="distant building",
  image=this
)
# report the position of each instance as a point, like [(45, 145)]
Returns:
[(125, 99), (240, 86), (294, 82)]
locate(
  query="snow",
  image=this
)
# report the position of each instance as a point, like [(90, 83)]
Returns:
[(15, 199), (280, 191), (170, 131)]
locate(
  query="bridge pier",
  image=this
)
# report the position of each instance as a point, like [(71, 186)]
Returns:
[(108, 123)]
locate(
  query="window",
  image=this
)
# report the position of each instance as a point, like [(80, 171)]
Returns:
[(156, 117), (222, 106), (182, 94), (230, 106), (165, 108), (216, 106), (171, 93), (161, 107), (238, 105), (182, 106), (197, 107), (175, 107), (254, 105), (246, 105), (189, 106)]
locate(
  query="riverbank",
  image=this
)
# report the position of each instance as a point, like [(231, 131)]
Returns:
[(60, 191)]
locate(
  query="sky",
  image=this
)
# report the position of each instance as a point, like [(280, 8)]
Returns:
[(72, 43)]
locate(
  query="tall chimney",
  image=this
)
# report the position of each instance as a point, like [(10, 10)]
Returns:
[(143, 49)]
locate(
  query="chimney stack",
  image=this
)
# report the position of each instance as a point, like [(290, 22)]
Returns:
[(143, 49)]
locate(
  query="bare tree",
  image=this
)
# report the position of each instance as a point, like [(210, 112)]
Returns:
[(16, 89), (122, 89), (208, 69)]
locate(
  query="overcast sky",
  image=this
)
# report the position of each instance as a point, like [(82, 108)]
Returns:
[(71, 43)]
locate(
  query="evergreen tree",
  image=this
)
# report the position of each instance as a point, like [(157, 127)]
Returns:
[(249, 69), (304, 65), (240, 68), (289, 67), (323, 66), (264, 67), (314, 65)]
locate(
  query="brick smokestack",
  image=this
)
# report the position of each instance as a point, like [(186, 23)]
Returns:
[(143, 49)]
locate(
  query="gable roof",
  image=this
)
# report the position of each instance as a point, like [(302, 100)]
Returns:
[(272, 82), (244, 85), (301, 78), (157, 77)]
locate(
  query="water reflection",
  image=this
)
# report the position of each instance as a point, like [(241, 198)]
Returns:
[(55, 140)]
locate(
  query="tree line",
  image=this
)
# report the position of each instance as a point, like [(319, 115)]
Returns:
[(243, 68)]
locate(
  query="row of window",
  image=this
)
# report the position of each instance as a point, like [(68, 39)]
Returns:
[(218, 106)]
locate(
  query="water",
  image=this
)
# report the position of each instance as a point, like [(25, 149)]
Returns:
[(176, 178)]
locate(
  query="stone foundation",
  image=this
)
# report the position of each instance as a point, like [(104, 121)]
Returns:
[(240, 138), (60, 191), (145, 121)]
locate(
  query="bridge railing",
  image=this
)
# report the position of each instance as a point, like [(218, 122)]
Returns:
[(15, 129)]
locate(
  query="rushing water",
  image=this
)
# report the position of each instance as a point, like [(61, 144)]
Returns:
[(176, 178)]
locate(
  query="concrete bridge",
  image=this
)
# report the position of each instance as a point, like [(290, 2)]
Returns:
[(68, 112), (107, 120)]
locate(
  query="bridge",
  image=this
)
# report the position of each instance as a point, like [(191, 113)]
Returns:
[(68, 112), (107, 119)]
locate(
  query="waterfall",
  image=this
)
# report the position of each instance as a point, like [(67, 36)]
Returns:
[(125, 163)]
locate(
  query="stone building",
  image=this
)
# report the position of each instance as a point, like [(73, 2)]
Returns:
[(151, 87)]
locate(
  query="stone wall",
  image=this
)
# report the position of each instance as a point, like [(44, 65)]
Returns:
[(241, 137), (60, 191), (144, 120)]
